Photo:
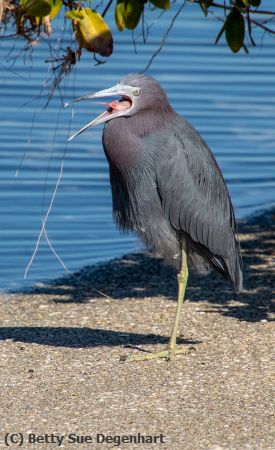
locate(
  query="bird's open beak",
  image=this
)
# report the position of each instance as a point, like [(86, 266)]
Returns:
[(114, 109)]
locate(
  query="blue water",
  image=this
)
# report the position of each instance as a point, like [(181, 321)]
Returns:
[(229, 98)]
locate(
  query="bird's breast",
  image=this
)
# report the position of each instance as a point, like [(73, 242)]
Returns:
[(122, 146)]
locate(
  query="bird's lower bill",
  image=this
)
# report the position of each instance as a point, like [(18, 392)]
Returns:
[(116, 108)]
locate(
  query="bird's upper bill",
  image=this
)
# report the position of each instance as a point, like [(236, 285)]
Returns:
[(116, 108)]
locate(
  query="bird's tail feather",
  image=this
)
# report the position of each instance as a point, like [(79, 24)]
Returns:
[(235, 272), (230, 268)]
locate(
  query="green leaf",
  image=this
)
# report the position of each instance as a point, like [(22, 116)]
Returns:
[(75, 14), (235, 30), (163, 4), (127, 13), (133, 9), (55, 7), (120, 15), (91, 31), (37, 8)]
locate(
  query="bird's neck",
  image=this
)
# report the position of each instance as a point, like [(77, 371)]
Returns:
[(123, 136)]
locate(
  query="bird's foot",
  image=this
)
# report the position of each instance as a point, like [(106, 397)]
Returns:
[(168, 354)]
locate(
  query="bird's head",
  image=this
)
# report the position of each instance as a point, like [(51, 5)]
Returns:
[(137, 92)]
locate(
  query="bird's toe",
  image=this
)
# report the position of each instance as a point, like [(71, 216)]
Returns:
[(168, 354)]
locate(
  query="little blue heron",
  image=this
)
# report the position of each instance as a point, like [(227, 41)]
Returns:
[(167, 187)]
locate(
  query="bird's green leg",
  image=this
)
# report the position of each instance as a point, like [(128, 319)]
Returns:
[(171, 348), (182, 282)]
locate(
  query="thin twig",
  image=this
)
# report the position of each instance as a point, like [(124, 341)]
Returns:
[(143, 27), (21, 162), (264, 27), (163, 41), (8, 69), (149, 27), (250, 30), (102, 293), (107, 7), (245, 48), (44, 221), (229, 8), (54, 252), (134, 42)]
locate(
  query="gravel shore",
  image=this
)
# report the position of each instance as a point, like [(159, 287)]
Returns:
[(61, 344)]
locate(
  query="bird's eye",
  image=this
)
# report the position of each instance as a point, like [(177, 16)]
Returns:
[(136, 92)]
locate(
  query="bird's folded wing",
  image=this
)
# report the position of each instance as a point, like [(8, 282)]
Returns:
[(193, 193)]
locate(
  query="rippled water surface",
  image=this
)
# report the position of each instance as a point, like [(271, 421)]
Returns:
[(229, 98)]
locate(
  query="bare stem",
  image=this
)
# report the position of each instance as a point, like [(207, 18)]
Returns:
[(261, 25), (229, 8), (107, 8), (163, 41), (250, 30)]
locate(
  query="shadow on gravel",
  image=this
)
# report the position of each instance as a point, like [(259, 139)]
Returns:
[(141, 275), (74, 337)]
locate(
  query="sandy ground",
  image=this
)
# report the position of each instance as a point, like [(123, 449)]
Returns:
[(61, 346)]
